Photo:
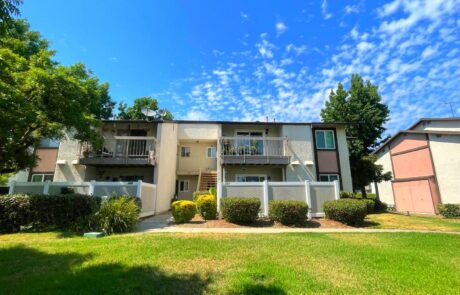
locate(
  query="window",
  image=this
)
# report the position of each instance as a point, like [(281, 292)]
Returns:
[(252, 146), (212, 151), (328, 177), (250, 178), (185, 151), (184, 185), (49, 143), (42, 177), (325, 139)]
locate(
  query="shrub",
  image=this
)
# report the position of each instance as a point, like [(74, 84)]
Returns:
[(368, 196), (449, 210), (380, 206), (240, 210), (14, 213), (370, 205), (288, 212), (206, 206), (183, 211), (213, 191), (117, 214), (348, 211), (347, 195), (197, 194)]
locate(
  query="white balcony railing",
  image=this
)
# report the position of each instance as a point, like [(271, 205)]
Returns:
[(253, 146)]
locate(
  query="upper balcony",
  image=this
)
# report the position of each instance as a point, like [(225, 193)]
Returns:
[(254, 150), (120, 151)]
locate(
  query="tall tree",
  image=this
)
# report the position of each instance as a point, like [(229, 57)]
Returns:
[(8, 9), (362, 107), (143, 108), (39, 98)]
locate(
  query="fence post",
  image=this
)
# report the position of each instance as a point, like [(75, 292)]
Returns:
[(46, 187), (308, 197), (12, 187), (219, 196), (336, 189), (139, 188), (92, 184), (266, 197)]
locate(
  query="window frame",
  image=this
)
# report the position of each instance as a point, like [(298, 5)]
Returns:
[(43, 175), (215, 152), (328, 175), (184, 155), (264, 176), (184, 181), (332, 131)]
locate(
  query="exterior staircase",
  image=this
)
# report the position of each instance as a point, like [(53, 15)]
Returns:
[(208, 179)]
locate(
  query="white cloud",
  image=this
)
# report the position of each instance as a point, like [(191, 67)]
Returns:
[(243, 15), (280, 28), (324, 10), (429, 51), (196, 115), (349, 9), (364, 46)]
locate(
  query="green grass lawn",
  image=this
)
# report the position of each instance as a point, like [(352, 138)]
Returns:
[(398, 221), (408, 263)]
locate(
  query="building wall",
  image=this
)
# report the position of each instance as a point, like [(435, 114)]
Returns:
[(274, 173), (385, 188), (198, 157), (189, 131), (165, 169), (445, 150), (229, 130), (300, 148), (193, 186), (439, 125), (46, 160), (116, 173), (344, 158)]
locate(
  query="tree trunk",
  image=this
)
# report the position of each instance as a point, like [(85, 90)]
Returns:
[(363, 192)]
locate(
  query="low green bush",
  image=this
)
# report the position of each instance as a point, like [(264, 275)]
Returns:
[(347, 195), (368, 196), (183, 211), (348, 211), (14, 213), (197, 194), (213, 191), (206, 206), (380, 206), (288, 212), (117, 215), (449, 210), (240, 210), (370, 205)]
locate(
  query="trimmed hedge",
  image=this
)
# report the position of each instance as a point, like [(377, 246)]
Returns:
[(183, 211), (370, 205), (117, 214), (197, 194), (347, 195), (348, 211), (206, 206), (64, 212), (449, 210), (240, 210), (288, 212)]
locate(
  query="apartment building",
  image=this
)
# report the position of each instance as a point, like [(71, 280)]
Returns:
[(181, 157), (424, 161)]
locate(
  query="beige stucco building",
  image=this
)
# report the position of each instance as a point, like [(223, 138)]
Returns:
[(424, 161), (182, 157)]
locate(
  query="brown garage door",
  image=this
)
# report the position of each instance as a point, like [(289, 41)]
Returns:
[(418, 196)]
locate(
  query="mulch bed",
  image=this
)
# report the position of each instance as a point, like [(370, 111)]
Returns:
[(198, 222)]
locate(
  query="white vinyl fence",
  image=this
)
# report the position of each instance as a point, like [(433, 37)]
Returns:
[(145, 191), (313, 193)]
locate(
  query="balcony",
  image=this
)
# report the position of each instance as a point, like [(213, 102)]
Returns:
[(120, 151), (254, 150)]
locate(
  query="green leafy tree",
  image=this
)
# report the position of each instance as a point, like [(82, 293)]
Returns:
[(39, 98), (361, 106), (143, 108), (8, 9)]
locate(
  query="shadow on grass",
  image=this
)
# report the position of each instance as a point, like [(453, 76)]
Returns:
[(368, 223), (26, 270), (261, 289)]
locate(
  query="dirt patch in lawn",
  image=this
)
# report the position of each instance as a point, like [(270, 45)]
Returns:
[(198, 222)]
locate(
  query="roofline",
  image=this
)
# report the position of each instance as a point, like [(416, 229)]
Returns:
[(433, 119), (227, 122), (434, 132)]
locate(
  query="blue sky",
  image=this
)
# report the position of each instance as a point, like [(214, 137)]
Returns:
[(245, 60)]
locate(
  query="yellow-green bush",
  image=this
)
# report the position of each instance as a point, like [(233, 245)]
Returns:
[(207, 206), (183, 211)]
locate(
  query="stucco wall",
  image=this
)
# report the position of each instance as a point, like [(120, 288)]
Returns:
[(275, 173), (193, 182), (439, 125), (46, 160), (229, 130), (198, 131), (385, 188), (446, 157), (165, 169), (116, 173), (344, 158), (198, 157), (300, 148)]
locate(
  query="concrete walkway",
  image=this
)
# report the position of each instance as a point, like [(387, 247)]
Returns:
[(161, 224)]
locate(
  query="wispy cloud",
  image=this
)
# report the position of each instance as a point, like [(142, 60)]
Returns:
[(280, 28), (324, 10)]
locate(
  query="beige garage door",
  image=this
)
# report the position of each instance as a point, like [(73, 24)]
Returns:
[(414, 196)]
